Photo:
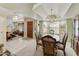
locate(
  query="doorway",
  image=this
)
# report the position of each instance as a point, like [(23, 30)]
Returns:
[(30, 29)]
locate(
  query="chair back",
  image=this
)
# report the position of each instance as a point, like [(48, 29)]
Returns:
[(65, 40), (49, 44), (36, 36)]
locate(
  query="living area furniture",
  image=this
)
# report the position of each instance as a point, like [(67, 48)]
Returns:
[(20, 33), (9, 35)]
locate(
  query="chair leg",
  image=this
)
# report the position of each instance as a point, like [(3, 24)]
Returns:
[(64, 53), (36, 47), (55, 54)]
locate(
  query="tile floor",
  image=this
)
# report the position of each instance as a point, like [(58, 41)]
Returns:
[(27, 47)]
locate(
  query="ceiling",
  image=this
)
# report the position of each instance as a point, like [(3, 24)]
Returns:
[(59, 9), (39, 10), (62, 10), (8, 9)]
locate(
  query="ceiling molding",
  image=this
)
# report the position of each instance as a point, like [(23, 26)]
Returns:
[(5, 11), (67, 9), (35, 6)]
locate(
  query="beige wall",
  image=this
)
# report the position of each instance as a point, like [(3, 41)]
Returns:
[(70, 28), (2, 29)]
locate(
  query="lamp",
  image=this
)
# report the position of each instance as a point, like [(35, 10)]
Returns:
[(51, 16)]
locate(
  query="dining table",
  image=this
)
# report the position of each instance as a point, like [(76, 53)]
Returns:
[(54, 36)]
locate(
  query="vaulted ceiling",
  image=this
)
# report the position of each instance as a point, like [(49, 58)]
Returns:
[(39, 9)]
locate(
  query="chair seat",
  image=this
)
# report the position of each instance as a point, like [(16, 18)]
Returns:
[(40, 42), (60, 46)]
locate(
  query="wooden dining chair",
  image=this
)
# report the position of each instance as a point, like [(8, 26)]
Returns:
[(62, 41), (38, 40), (62, 45), (49, 46), (1, 49)]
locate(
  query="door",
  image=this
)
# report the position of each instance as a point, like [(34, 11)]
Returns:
[(30, 29)]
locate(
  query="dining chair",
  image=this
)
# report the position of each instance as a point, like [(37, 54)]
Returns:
[(49, 46), (1, 49), (62, 40), (7, 53), (38, 40), (62, 45)]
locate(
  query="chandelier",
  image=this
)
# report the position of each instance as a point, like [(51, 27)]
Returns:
[(51, 16)]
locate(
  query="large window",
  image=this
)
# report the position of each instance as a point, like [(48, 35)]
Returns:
[(54, 26), (45, 27), (51, 28)]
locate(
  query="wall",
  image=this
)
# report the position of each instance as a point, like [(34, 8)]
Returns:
[(2, 29), (70, 29)]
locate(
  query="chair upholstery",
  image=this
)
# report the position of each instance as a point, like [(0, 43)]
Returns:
[(62, 45), (9, 36), (62, 41), (49, 45)]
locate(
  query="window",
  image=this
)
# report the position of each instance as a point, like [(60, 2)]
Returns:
[(54, 26), (45, 27), (75, 28)]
